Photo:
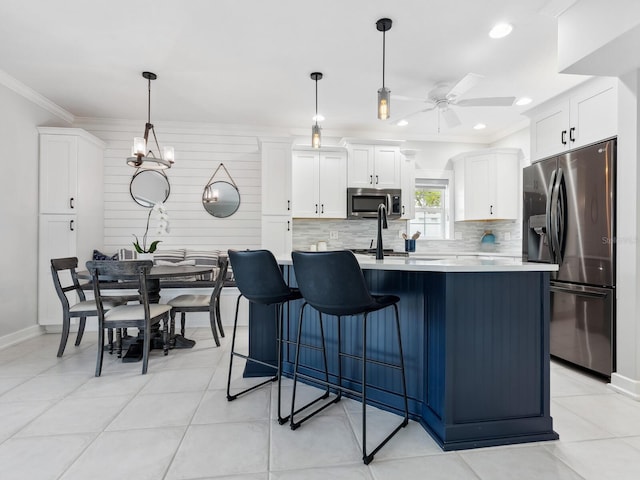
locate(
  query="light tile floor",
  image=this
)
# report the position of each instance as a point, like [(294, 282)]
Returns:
[(57, 421)]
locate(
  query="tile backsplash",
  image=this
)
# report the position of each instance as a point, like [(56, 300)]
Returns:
[(361, 234)]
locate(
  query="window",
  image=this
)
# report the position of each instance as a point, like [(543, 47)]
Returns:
[(432, 209)]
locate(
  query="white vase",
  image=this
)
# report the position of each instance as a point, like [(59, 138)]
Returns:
[(145, 256)]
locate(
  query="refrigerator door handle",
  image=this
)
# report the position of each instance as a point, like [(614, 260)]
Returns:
[(582, 292), (558, 201), (548, 214)]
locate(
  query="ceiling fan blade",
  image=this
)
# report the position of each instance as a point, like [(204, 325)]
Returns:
[(404, 98), (428, 109), (450, 117), (486, 102), (469, 81)]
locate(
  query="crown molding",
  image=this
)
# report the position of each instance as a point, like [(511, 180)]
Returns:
[(34, 97)]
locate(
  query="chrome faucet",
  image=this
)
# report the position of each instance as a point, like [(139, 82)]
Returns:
[(382, 223)]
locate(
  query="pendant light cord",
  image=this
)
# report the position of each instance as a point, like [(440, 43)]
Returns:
[(384, 36), (149, 101), (316, 101)]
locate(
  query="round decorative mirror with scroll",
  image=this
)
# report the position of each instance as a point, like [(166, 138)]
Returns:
[(221, 199), (149, 187)]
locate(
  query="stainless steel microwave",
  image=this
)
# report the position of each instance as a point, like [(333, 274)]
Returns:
[(363, 202)]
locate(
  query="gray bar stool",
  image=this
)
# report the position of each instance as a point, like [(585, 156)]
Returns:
[(333, 284)]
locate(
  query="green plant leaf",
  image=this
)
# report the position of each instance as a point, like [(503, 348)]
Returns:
[(137, 246), (154, 245)]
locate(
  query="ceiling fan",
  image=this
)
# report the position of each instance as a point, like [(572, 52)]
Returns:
[(443, 97)]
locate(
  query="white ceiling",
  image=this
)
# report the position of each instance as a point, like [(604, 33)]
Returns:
[(248, 61)]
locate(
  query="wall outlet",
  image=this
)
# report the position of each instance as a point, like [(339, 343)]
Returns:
[(400, 232), (333, 235)]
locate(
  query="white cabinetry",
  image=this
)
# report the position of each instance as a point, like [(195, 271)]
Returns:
[(408, 173), (487, 184), (374, 166), (587, 114), (319, 183), (276, 195), (71, 207)]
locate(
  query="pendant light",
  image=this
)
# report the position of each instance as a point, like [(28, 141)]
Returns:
[(384, 94), (140, 156), (315, 129)]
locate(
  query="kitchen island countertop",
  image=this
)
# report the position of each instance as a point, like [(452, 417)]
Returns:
[(469, 264)]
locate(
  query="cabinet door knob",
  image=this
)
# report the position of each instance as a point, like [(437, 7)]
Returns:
[(571, 134), (322, 208), (563, 138), (71, 225), (376, 179), (288, 205), (402, 209), (71, 203), (288, 225), (490, 209), (316, 208), (370, 179)]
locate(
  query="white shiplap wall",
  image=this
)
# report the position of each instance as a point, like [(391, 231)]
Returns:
[(199, 150)]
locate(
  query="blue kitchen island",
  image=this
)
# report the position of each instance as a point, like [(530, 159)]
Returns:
[(476, 344)]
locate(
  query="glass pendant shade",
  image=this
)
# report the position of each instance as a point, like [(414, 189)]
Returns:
[(139, 146), (315, 136), (384, 103)]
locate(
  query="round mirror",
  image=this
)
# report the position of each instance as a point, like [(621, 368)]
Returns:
[(221, 199), (149, 187)]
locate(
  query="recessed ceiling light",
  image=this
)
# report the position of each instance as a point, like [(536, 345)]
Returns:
[(500, 30), (523, 101), (479, 126), (318, 118), (402, 123)]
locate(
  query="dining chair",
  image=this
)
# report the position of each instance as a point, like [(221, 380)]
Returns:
[(334, 285), (71, 308), (201, 303), (142, 316)]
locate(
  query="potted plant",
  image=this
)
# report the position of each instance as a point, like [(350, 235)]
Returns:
[(144, 252)]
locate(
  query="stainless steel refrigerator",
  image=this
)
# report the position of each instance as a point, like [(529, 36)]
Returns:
[(569, 219)]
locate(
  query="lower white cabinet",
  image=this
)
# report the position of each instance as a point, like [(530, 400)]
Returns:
[(276, 234), (486, 184), (319, 183), (57, 239)]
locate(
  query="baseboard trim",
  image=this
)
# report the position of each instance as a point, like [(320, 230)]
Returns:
[(626, 386), (20, 336)]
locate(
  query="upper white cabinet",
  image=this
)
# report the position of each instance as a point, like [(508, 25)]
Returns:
[(319, 183), (276, 177), (487, 184), (585, 115), (374, 166), (71, 207)]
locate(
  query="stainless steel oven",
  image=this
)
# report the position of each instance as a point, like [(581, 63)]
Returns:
[(363, 202)]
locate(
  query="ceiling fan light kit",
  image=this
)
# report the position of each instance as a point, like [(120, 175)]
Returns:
[(315, 129), (384, 94), (140, 157)]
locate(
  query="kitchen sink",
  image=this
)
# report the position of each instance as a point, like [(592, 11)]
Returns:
[(372, 251)]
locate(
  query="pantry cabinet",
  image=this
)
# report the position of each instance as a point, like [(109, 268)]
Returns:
[(276, 195), (585, 115), (70, 207), (374, 166), (486, 184), (319, 183)]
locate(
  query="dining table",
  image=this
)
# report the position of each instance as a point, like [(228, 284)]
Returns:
[(133, 345)]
